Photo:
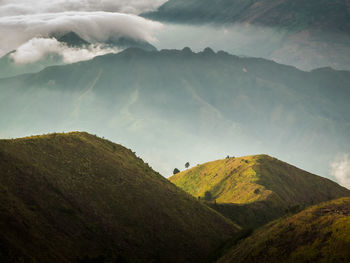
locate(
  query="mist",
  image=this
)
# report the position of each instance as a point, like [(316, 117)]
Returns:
[(340, 169), (302, 50), (37, 48), (91, 26), (24, 7)]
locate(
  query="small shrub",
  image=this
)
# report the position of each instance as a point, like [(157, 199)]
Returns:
[(208, 196)]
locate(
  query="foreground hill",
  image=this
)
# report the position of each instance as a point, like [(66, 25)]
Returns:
[(259, 185), (318, 234), (217, 100), (65, 197)]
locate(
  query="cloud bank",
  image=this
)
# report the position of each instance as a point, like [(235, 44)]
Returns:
[(37, 48), (25, 7), (92, 26), (340, 169)]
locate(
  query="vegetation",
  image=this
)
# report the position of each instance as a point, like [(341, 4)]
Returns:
[(187, 165), (176, 171), (253, 190), (76, 197), (318, 234), (208, 196)]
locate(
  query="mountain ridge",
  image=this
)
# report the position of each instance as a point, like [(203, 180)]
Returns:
[(246, 104)]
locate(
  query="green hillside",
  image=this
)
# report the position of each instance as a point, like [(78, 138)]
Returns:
[(69, 197), (318, 234), (257, 183)]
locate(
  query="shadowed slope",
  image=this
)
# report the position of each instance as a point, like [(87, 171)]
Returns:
[(66, 196), (317, 234)]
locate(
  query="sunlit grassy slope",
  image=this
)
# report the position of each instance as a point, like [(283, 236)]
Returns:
[(67, 196), (318, 234), (256, 188)]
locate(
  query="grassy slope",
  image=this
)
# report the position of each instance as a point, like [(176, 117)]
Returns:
[(259, 186), (318, 234), (65, 196)]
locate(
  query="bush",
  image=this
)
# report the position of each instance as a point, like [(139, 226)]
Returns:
[(208, 196)]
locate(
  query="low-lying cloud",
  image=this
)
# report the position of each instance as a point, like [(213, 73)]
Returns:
[(340, 169), (91, 26), (25, 7), (37, 48)]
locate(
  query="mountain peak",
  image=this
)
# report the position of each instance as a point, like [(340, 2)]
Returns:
[(72, 39)]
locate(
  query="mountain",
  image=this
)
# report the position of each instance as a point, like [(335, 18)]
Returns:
[(317, 234), (77, 198), (9, 68), (72, 39), (306, 34), (256, 184), (170, 102), (295, 15)]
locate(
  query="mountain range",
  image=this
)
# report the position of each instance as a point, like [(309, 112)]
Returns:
[(307, 34), (295, 15), (164, 103)]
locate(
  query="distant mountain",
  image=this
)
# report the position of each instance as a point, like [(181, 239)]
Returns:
[(307, 34), (72, 39), (78, 198), (256, 189), (9, 68), (292, 14), (169, 102), (317, 234)]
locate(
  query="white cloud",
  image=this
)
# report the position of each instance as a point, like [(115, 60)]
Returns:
[(92, 26), (37, 48), (25, 7), (340, 169)]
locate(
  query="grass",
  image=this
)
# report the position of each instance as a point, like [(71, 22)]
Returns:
[(253, 190), (320, 233), (70, 197)]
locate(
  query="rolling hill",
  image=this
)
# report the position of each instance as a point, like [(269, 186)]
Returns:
[(77, 198), (179, 101), (318, 234), (256, 189)]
